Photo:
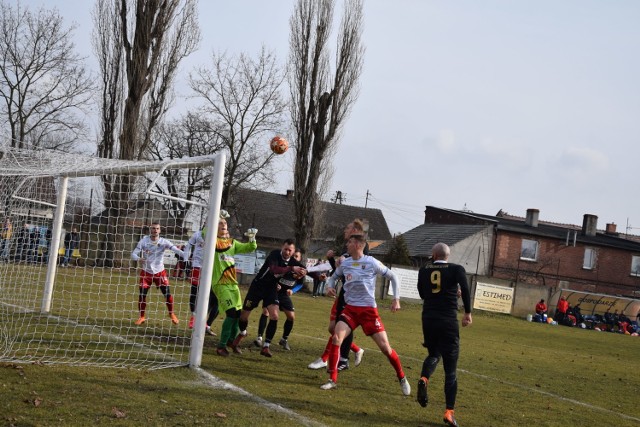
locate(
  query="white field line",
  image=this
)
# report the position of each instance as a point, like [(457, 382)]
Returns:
[(207, 379), (216, 383), (520, 386)]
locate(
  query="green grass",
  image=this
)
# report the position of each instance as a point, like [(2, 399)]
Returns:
[(511, 373)]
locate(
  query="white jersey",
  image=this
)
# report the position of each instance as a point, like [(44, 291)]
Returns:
[(360, 280), (197, 243), (152, 253)]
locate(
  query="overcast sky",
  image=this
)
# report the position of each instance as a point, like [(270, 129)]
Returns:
[(476, 104)]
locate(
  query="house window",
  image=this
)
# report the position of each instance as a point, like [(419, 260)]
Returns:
[(529, 250), (635, 266), (589, 261)]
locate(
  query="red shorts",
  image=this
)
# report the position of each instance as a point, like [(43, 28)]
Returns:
[(159, 279), (367, 317), (195, 276)]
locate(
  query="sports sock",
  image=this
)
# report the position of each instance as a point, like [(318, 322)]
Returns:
[(332, 366), (262, 324), (327, 349), (170, 303), (225, 332), (345, 348), (192, 298), (354, 347), (272, 326), (395, 362), (288, 326), (142, 305)]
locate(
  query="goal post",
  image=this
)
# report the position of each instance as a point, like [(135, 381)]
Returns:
[(77, 305)]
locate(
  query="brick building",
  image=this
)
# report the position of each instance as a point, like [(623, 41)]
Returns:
[(536, 253)]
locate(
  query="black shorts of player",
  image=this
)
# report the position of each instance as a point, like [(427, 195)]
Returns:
[(285, 302), (442, 337), (267, 294)]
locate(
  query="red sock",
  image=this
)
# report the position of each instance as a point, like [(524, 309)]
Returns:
[(327, 350), (170, 303), (142, 305), (334, 358), (354, 347), (395, 362)]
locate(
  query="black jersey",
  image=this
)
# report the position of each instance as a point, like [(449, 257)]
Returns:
[(277, 270), (438, 286)]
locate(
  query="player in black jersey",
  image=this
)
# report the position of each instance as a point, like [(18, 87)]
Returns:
[(438, 285), (264, 287)]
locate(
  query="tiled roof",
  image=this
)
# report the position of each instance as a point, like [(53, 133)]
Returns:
[(421, 239), (273, 215)]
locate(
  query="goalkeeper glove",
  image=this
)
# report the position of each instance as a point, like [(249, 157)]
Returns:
[(251, 234), (224, 214)]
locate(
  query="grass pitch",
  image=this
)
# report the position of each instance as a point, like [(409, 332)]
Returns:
[(511, 373)]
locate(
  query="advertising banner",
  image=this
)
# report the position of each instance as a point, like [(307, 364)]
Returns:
[(407, 282), (600, 304), (493, 298)]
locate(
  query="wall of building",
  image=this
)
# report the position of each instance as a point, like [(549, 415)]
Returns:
[(558, 263)]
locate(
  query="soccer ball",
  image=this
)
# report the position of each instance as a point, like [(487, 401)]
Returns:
[(279, 145)]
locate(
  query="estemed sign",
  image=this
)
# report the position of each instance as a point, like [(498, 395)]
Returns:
[(493, 298)]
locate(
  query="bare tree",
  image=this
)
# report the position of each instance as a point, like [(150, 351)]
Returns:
[(108, 49), (321, 100), (243, 97), (140, 44), (44, 85), (190, 136)]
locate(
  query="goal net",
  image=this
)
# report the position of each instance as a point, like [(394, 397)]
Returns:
[(68, 285)]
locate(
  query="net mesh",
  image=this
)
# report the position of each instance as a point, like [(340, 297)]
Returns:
[(83, 313)]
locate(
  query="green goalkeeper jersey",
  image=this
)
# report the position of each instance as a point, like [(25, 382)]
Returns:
[(224, 268)]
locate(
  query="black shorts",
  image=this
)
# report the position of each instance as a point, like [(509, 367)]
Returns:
[(267, 294), (285, 302), (442, 337)]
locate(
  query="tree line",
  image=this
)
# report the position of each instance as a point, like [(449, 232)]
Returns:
[(47, 92)]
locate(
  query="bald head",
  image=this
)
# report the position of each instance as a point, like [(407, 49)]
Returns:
[(440, 252)]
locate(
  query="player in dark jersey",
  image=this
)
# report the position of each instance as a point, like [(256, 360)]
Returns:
[(438, 284), (288, 285), (264, 287)]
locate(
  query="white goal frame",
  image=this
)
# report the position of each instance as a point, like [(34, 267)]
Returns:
[(25, 166)]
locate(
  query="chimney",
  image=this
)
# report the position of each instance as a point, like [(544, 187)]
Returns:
[(611, 228), (589, 225), (532, 217), (289, 194)]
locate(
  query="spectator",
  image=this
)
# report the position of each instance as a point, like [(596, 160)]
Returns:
[(541, 311), (5, 239), (71, 243), (561, 310), (23, 243)]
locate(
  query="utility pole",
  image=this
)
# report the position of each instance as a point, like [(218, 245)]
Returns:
[(366, 200)]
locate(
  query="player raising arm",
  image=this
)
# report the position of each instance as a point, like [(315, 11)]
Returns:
[(360, 271)]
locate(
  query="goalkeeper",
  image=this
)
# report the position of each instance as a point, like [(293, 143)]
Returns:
[(225, 283)]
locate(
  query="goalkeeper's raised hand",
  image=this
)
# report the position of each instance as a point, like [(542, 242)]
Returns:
[(251, 234), (224, 214)]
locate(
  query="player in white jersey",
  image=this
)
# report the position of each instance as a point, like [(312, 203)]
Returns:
[(197, 243), (360, 309), (150, 252)]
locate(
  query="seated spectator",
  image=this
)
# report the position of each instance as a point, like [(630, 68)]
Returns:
[(577, 311), (569, 318), (541, 308), (541, 312)]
